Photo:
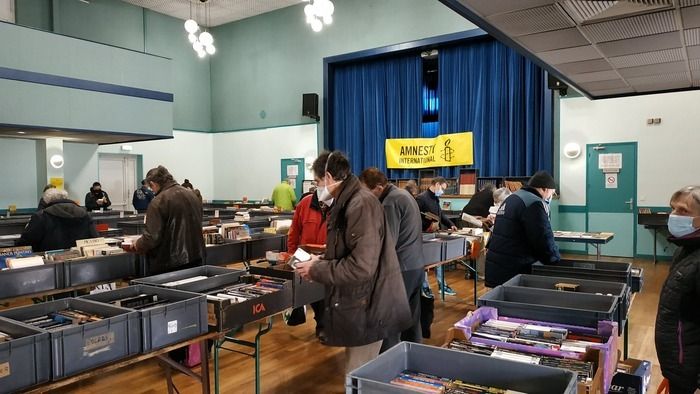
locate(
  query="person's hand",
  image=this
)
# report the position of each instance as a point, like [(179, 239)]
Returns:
[(454, 228), (304, 268), (129, 248), (434, 226)]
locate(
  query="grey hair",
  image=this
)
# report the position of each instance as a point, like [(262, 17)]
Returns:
[(693, 191), (500, 194), (52, 195)]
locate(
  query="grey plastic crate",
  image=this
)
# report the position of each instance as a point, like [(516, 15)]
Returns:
[(261, 243), (374, 377), (182, 318), (552, 306), (217, 276), (304, 292), (619, 290), (25, 360), (99, 269), (432, 252), (22, 281), (454, 246), (77, 349), (586, 269), (231, 251)]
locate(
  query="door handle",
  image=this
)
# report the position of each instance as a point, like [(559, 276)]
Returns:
[(630, 202)]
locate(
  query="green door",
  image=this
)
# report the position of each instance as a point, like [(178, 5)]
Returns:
[(293, 169), (611, 195)]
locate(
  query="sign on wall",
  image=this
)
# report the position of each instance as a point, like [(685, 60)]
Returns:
[(442, 151)]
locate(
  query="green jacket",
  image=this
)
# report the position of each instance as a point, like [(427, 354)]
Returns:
[(283, 196)]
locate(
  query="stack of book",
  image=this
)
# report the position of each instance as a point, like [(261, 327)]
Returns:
[(235, 231), (96, 247), (141, 301), (4, 337), (62, 255), (180, 282), (252, 286), (63, 319), (584, 369), (13, 253), (430, 384)]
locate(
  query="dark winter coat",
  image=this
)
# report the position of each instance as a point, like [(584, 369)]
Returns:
[(677, 331), (403, 222), (521, 236), (142, 197), (57, 227), (479, 204), (91, 200), (365, 296), (429, 202), (173, 234)]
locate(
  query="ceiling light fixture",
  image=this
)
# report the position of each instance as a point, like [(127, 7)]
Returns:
[(203, 43), (318, 13)]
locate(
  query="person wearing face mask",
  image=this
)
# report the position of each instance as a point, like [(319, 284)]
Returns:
[(309, 227), (429, 202), (142, 197), (522, 234), (97, 198), (365, 300), (677, 331)]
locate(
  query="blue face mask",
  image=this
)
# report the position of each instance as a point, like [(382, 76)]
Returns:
[(439, 192), (680, 226)]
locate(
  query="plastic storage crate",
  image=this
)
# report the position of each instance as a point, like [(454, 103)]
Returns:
[(182, 318), (76, 349), (454, 246), (25, 360), (30, 280), (304, 292), (99, 269), (216, 276), (231, 251), (374, 377), (605, 329), (586, 269), (620, 290), (135, 227), (261, 243), (553, 306)]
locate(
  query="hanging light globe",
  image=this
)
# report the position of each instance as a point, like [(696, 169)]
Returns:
[(206, 38), (192, 38), (191, 26), (316, 25), (211, 49), (197, 46), (309, 10), (201, 54), (328, 19)]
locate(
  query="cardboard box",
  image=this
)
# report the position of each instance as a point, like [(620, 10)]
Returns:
[(633, 377)]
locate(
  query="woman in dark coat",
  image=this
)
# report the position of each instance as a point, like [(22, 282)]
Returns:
[(678, 318)]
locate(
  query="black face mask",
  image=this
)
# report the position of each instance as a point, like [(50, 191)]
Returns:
[(98, 192)]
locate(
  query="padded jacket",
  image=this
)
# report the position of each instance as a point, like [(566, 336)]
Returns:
[(173, 234), (429, 202), (308, 224), (677, 333), (365, 297), (57, 226), (403, 223), (521, 236)]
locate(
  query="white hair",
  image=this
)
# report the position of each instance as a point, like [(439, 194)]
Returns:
[(500, 194), (52, 195)]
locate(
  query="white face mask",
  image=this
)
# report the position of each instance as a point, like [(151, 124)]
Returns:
[(324, 195)]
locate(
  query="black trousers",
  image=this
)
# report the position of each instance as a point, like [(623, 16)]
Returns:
[(413, 281)]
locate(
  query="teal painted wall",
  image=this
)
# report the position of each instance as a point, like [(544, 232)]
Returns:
[(123, 25), (267, 62), (570, 221), (18, 172)]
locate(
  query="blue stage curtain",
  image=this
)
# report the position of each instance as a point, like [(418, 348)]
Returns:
[(488, 88), (372, 101)]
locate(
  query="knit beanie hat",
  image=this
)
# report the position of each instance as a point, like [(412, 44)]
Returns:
[(542, 180)]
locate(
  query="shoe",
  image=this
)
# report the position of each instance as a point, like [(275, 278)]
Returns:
[(425, 292), (448, 290)]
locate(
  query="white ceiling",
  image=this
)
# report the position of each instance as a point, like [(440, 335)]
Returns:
[(219, 11), (603, 48)]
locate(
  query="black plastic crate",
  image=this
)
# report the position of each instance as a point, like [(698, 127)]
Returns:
[(231, 251), (261, 243), (552, 306), (216, 276), (99, 269), (132, 227), (23, 281), (619, 290), (304, 292), (25, 360), (182, 318), (376, 375), (226, 315), (637, 279), (77, 349), (586, 269)]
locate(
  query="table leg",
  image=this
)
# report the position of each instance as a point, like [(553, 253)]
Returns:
[(442, 277), (476, 280), (626, 342), (217, 347), (597, 251), (655, 230), (169, 378), (204, 354)]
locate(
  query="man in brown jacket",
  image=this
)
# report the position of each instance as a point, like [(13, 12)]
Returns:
[(365, 298), (173, 235)]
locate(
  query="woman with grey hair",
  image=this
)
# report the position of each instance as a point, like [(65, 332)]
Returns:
[(677, 331), (499, 195)]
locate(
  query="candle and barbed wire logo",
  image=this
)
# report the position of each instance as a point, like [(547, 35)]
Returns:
[(447, 151)]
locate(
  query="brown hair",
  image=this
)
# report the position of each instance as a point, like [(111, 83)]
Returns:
[(372, 177), (159, 175)]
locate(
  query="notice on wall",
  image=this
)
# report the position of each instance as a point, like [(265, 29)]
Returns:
[(57, 182), (293, 183), (610, 162), (445, 150), (292, 171), (611, 181)]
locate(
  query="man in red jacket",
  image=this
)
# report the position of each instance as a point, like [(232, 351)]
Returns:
[(309, 227)]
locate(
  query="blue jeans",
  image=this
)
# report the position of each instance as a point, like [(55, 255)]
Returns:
[(438, 274)]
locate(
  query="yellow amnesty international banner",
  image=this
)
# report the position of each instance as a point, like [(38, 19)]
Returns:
[(442, 151)]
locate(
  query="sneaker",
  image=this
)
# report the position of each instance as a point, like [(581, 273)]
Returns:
[(425, 292), (448, 290)]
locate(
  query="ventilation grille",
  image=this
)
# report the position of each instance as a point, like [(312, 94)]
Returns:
[(584, 10), (692, 36), (641, 59), (659, 79), (638, 26), (533, 20)]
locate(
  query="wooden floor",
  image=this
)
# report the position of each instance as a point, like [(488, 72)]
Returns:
[(294, 362)]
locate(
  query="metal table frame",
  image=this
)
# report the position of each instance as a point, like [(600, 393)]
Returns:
[(595, 240), (460, 260)]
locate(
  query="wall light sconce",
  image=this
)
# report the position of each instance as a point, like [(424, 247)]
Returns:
[(572, 150), (56, 161)]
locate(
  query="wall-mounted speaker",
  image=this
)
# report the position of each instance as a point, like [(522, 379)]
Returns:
[(554, 84), (309, 106)]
